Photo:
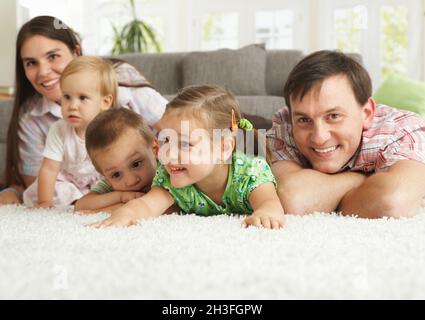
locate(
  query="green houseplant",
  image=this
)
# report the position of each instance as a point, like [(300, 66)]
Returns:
[(135, 36)]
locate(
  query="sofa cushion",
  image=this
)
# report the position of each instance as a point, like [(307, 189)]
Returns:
[(279, 65), (258, 109), (162, 70), (241, 71), (263, 106), (401, 92), (2, 163), (6, 107)]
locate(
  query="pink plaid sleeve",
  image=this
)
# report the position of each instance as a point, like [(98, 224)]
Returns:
[(410, 146), (32, 135), (146, 101)]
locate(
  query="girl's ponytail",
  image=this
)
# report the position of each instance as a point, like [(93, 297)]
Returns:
[(261, 146)]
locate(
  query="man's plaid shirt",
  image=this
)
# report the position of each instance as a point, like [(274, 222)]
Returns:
[(394, 135)]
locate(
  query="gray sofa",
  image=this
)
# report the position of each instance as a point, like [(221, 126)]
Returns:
[(5, 114), (255, 75)]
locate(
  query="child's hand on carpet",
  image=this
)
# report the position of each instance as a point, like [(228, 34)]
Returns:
[(43, 205), (126, 196), (85, 212), (108, 209), (267, 221), (151, 205), (268, 211), (9, 197), (118, 218)]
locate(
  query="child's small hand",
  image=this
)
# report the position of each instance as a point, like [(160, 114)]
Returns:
[(46, 204), (126, 196), (85, 212), (118, 218), (264, 220), (9, 197)]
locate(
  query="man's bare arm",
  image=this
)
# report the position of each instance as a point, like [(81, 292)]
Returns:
[(395, 193), (303, 191)]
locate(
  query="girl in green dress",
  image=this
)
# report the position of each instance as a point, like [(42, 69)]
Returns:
[(202, 170)]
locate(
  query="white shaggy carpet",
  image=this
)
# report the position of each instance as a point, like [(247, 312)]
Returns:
[(50, 254)]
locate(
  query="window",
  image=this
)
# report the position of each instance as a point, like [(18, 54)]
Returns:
[(275, 29), (219, 31), (118, 14), (389, 34), (93, 19), (394, 40), (385, 32), (157, 24), (349, 23)]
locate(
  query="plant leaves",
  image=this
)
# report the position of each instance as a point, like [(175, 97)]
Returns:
[(135, 36)]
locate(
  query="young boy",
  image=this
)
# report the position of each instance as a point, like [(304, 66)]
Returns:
[(123, 150)]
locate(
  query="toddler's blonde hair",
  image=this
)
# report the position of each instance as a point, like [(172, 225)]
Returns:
[(103, 70)]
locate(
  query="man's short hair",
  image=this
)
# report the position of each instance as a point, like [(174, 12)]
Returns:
[(311, 71)]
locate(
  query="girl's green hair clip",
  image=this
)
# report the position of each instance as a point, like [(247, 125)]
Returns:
[(245, 124)]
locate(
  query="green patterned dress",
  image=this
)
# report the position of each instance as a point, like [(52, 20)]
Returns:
[(245, 174)]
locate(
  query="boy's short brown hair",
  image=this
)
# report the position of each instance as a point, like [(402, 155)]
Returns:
[(110, 125)]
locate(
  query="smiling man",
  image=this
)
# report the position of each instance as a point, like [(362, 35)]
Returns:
[(335, 149)]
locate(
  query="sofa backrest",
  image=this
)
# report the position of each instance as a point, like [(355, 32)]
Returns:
[(166, 73), (6, 107), (279, 65), (163, 70)]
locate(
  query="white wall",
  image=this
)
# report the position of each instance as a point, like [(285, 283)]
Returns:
[(7, 36), (181, 24), (246, 10), (423, 34)]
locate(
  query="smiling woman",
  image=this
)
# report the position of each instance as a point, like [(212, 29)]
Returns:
[(89, 87), (43, 71), (46, 51), (44, 47)]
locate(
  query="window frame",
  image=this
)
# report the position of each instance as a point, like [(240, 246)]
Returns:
[(312, 29), (247, 11), (371, 36)]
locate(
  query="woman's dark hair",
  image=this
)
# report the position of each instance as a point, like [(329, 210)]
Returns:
[(311, 71), (49, 27)]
